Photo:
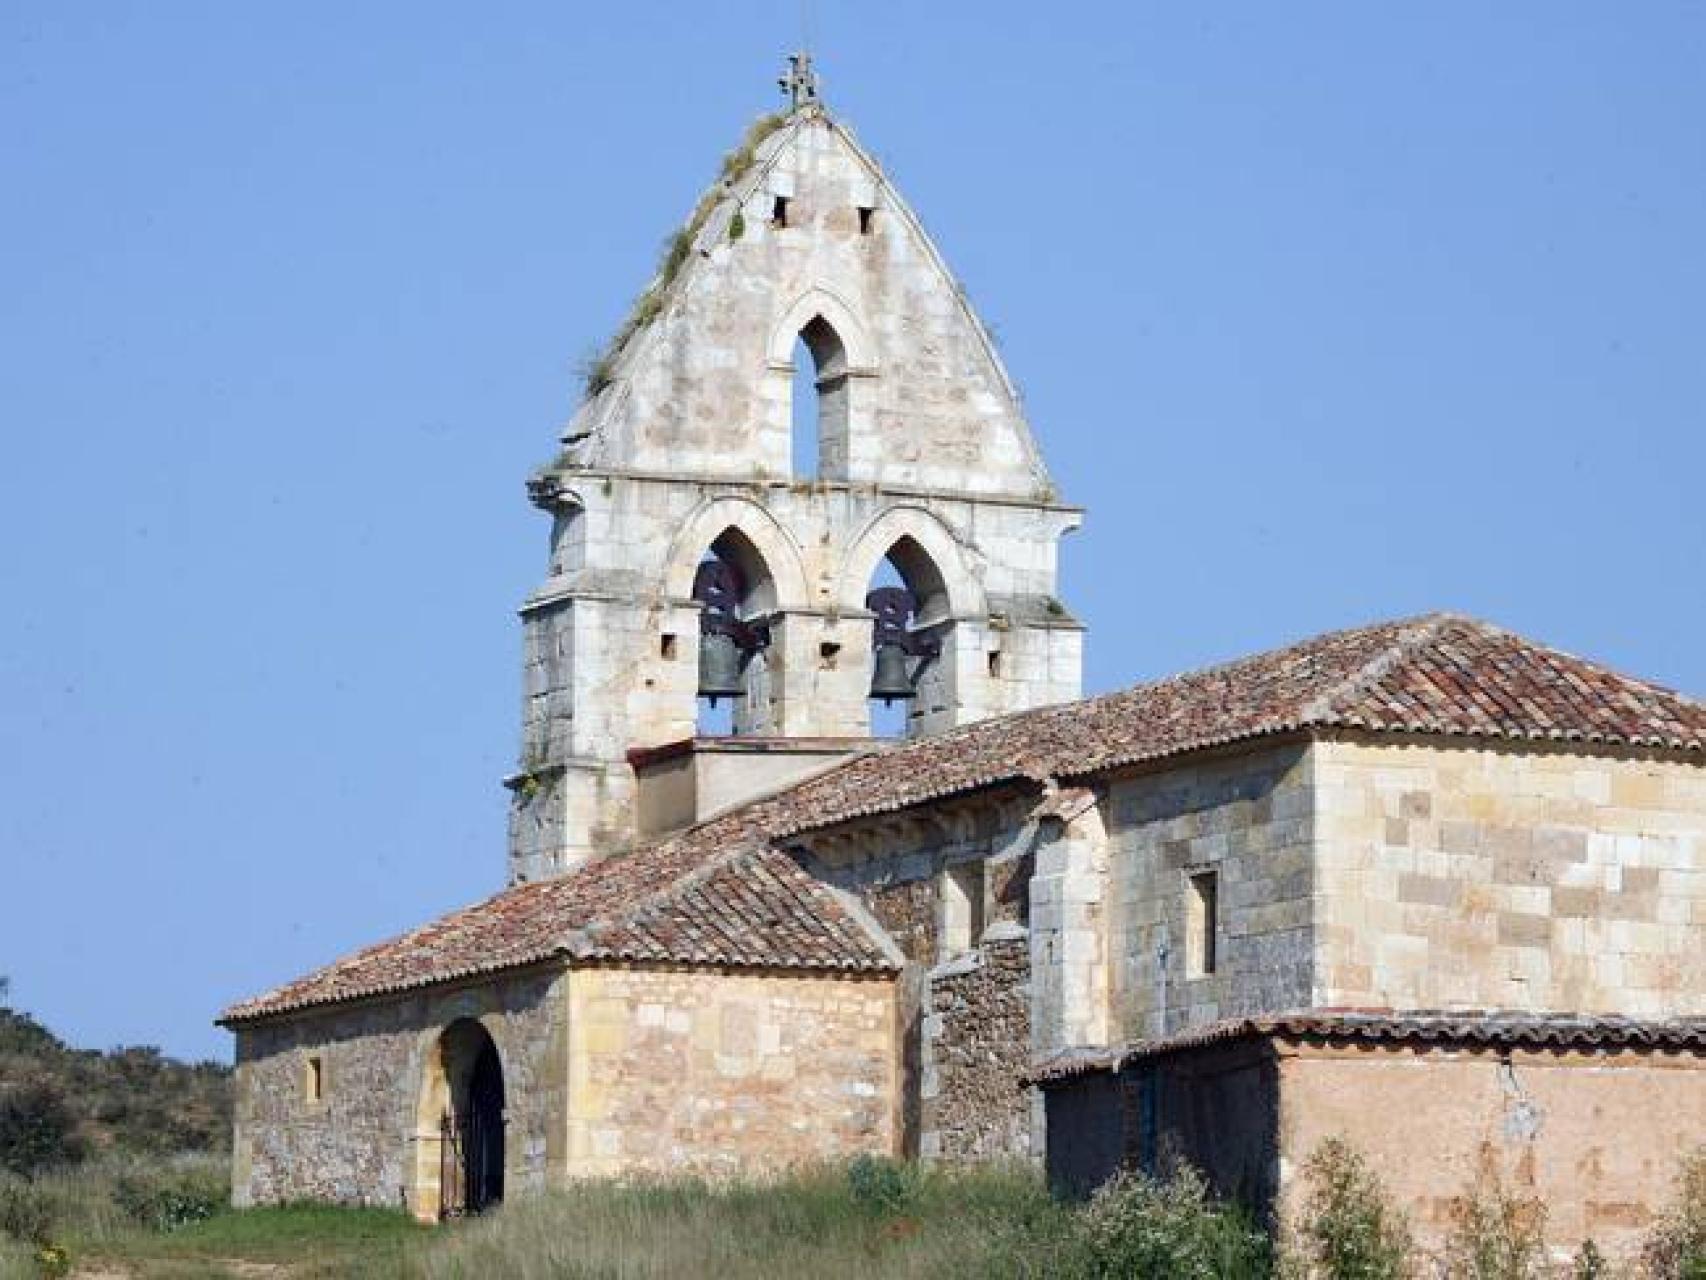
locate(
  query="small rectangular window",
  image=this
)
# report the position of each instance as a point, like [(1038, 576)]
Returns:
[(315, 1084), (666, 647), (865, 216), (995, 664), (779, 212), (962, 908), (1202, 923)]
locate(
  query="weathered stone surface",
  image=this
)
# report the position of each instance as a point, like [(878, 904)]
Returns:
[(1533, 877), (685, 1071), (373, 1136), (1249, 819), (978, 1044), (925, 460)]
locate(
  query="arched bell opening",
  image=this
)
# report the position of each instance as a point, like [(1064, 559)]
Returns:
[(819, 402), (462, 1123), (737, 596), (911, 624)]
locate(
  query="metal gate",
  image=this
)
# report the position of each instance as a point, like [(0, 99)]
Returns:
[(452, 1169), (471, 1145)]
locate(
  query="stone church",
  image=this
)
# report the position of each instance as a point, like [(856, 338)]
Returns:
[(1425, 884)]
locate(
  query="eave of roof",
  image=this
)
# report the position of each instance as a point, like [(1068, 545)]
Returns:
[(1463, 1028), (1435, 676)]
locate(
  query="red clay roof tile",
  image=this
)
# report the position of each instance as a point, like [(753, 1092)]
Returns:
[(720, 894)]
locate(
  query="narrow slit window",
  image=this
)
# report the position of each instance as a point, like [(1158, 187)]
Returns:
[(315, 1082), (779, 212), (866, 215), (1202, 923), (962, 908), (995, 664)]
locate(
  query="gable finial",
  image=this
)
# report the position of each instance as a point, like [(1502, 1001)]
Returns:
[(799, 83)]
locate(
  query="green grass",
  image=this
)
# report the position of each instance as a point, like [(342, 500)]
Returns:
[(299, 1241)]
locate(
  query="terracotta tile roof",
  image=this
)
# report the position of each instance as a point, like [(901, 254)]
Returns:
[(1446, 1027), (739, 904), (749, 905)]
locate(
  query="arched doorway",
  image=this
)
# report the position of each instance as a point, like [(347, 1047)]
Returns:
[(464, 1096)]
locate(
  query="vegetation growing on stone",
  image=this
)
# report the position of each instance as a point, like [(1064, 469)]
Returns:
[(601, 370)]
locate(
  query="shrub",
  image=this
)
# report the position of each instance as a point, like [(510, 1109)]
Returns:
[(882, 1186), (1495, 1235), (1676, 1249), (1589, 1263), (53, 1261), (1349, 1230), (37, 1129), (26, 1211), (164, 1199), (1136, 1227), (17, 1261)]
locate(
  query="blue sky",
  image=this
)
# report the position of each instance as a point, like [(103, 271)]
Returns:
[(1327, 312)]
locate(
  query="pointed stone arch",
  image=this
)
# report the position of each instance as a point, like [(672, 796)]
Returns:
[(772, 543), (822, 303)]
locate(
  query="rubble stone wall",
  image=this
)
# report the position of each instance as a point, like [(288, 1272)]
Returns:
[(978, 1033), (365, 1140)]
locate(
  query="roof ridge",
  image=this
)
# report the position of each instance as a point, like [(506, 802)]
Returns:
[(632, 909), (1414, 634)]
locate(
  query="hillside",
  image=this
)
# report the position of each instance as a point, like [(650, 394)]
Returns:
[(132, 1099)]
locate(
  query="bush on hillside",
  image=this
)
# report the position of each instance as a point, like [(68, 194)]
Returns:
[(1349, 1229), (37, 1129), (130, 1099)]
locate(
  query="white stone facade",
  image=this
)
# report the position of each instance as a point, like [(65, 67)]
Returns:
[(924, 459)]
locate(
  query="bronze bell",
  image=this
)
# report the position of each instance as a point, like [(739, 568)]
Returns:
[(719, 667), (889, 679)]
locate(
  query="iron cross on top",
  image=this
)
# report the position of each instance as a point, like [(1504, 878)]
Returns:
[(799, 85)]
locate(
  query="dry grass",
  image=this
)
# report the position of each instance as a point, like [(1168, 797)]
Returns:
[(814, 1225)]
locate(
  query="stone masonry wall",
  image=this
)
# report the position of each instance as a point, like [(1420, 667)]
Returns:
[(979, 1033), (690, 444), (363, 1142), (699, 1071), (1597, 1138), (1517, 878), (1245, 817), (963, 1009)]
